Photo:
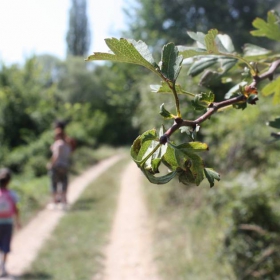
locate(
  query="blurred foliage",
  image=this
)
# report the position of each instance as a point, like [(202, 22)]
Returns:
[(108, 104), (168, 21)]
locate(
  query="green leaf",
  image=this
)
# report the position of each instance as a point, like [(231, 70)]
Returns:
[(210, 42), (202, 100), (211, 176), (186, 177), (188, 52), (275, 123), (209, 78), (199, 37), (269, 29), (171, 62), (191, 147), (204, 62), (191, 132), (164, 88), (273, 87), (141, 144), (159, 179), (188, 160), (165, 113), (235, 90), (155, 165), (226, 43), (169, 159), (255, 51), (227, 63), (201, 64), (128, 51)]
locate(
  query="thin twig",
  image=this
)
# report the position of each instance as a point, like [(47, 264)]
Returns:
[(213, 107)]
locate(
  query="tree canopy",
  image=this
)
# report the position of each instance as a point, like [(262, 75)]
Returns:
[(168, 21)]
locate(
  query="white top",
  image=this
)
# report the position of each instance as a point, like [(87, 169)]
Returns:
[(61, 152)]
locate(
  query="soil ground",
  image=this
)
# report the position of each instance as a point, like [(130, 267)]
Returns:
[(128, 256)]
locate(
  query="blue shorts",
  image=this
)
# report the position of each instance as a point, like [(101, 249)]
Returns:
[(6, 231), (59, 175)]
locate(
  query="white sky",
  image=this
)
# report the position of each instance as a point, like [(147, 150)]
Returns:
[(30, 27)]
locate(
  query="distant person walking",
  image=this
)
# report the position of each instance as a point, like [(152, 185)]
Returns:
[(9, 213), (59, 126), (58, 168)]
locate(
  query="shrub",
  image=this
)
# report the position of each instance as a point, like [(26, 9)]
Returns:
[(252, 243)]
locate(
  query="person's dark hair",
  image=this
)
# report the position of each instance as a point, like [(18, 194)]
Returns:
[(5, 176), (60, 124)]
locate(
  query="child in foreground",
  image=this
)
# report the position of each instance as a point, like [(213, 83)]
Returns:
[(8, 214)]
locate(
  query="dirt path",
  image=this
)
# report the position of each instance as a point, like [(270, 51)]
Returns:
[(129, 255), (28, 241)]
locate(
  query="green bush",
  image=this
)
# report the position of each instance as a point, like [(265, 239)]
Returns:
[(252, 242), (21, 156), (36, 165)]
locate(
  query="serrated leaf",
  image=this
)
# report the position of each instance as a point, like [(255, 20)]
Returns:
[(211, 45), (273, 87), (269, 29), (202, 100), (211, 176), (171, 62), (128, 51), (275, 123), (165, 113)]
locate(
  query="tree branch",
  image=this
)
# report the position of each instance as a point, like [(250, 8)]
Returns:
[(213, 107)]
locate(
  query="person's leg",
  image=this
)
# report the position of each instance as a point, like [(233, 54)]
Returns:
[(3, 264), (64, 188), (54, 185), (7, 230)]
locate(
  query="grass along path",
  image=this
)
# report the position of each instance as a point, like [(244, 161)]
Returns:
[(29, 240)]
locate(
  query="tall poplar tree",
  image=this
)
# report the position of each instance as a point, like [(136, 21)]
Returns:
[(78, 35)]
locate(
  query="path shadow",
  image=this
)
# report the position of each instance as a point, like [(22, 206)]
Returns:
[(35, 276), (84, 204)]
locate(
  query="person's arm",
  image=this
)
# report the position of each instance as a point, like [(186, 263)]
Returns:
[(56, 154), (17, 218), (15, 199)]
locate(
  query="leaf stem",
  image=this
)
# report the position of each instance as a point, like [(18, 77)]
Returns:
[(172, 86), (142, 162)]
